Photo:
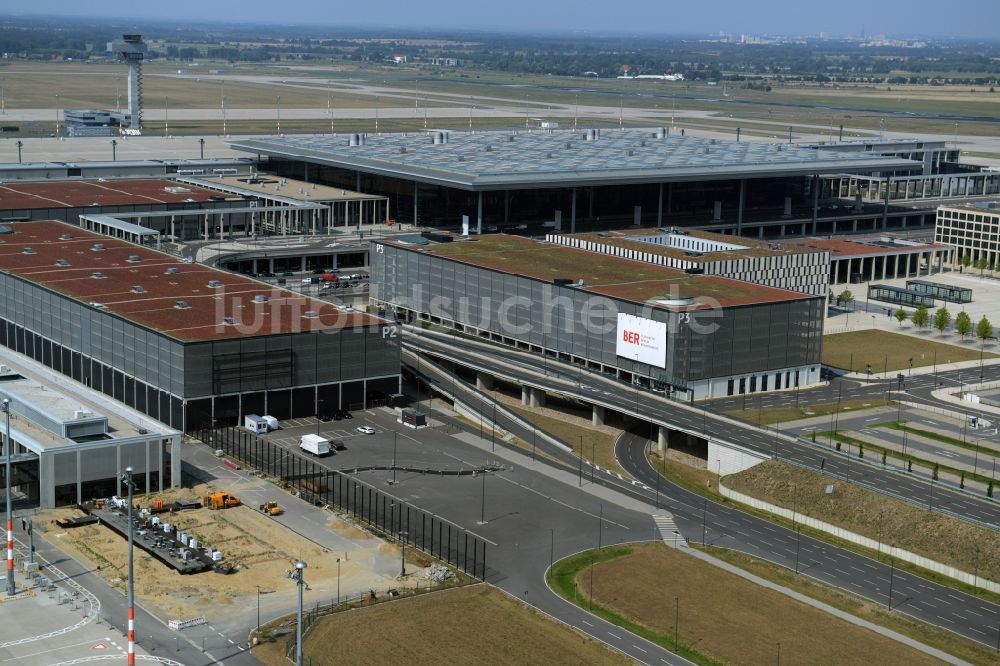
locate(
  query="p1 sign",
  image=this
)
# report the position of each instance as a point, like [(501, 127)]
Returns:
[(642, 340)]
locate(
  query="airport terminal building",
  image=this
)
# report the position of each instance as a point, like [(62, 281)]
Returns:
[(694, 336), (590, 180), (188, 345)]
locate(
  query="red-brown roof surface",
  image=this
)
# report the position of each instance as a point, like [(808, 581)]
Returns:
[(155, 308), (841, 248), (83, 193), (604, 274)]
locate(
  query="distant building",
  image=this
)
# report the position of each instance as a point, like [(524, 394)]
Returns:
[(399, 58), (784, 266), (973, 231), (446, 62)]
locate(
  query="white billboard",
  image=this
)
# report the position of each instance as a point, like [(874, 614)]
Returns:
[(642, 340)]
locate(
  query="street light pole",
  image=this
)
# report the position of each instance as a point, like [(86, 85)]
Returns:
[(482, 507), (402, 557), (258, 611), (892, 571), (394, 433), (338, 581), (7, 449), (300, 582), (127, 480)]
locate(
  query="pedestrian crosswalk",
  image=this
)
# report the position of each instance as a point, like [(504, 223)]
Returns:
[(664, 522)]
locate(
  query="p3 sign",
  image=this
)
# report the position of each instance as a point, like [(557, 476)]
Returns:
[(642, 340)]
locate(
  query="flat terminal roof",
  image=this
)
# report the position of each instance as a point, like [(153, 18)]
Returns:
[(603, 274), (275, 186), (840, 248), (497, 160), (83, 193), (754, 248), (154, 307), (64, 395), (122, 225)]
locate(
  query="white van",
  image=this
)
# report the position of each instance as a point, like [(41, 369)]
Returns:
[(272, 423)]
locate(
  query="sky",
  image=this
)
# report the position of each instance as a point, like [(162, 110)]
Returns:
[(959, 18)]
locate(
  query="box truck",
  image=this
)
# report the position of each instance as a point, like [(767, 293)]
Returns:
[(255, 424), (272, 423), (315, 444)]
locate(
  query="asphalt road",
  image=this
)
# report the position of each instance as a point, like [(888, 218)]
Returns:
[(562, 378), (529, 519), (700, 519)]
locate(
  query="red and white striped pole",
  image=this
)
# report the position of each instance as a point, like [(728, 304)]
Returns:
[(10, 554), (131, 636), (8, 449), (127, 479)]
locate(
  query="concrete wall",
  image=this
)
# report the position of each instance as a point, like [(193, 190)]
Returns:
[(731, 459)]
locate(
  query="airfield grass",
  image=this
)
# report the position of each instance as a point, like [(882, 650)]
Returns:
[(469, 625), (860, 107), (887, 352), (716, 616), (936, 637), (929, 533)]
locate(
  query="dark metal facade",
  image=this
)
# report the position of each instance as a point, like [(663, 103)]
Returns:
[(723, 342), (190, 385)]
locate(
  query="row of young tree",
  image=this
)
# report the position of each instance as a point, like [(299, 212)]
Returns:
[(922, 318), (941, 321)]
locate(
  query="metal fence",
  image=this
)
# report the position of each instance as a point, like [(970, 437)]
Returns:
[(382, 513)]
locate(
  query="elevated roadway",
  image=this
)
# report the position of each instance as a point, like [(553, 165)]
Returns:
[(556, 377), (702, 520)]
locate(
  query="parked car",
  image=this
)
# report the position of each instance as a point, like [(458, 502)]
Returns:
[(365, 430)]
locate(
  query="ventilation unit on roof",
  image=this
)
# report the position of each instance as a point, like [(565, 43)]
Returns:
[(133, 259), (489, 148), (62, 262), (138, 289), (97, 247), (214, 284), (28, 250), (228, 321), (311, 314), (65, 237), (97, 275), (181, 304), (260, 298), (171, 270), (661, 133)]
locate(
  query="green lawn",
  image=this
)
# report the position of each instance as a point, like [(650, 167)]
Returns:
[(886, 351)]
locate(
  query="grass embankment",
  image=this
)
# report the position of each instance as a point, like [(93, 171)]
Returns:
[(930, 635), (594, 445), (715, 617), (773, 415), (939, 537), (876, 452), (469, 625), (888, 352)]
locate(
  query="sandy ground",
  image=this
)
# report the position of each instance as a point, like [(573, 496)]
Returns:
[(264, 550)]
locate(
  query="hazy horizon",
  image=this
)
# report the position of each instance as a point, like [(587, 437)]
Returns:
[(977, 18)]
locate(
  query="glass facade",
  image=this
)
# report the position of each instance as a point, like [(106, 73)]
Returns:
[(945, 292), (899, 296)]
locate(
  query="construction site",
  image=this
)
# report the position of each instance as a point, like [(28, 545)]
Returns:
[(254, 553)]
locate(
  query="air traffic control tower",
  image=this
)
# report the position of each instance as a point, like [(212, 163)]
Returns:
[(132, 50)]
